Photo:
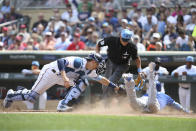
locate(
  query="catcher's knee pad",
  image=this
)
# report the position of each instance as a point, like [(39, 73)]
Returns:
[(32, 96), (72, 95), (24, 95)]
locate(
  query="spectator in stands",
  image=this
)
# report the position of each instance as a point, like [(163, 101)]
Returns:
[(5, 36), (149, 11), (41, 20), (58, 23), (177, 11), (2, 46), (1, 17), (152, 30), (161, 11), (48, 43), (134, 27), (77, 44), (170, 38), (161, 24), (106, 30), (170, 19), (153, 10), (63, 42), (84, 10), (18, 44), (90, 24), (88, 36), (40, 30), (124, 15), (54, 24), (37, 39), (6, 7), (12, 36), (133, 11), (92, 38), (191, 43), (23, 31), (14, 15), (99, 12), (186, 15), (61, 29), (180, 23), (6, 17), (158, 46), (182, 41), (155, 38), (140, 46), (191, 25), (148, 25), (135, 19), (86, 3), (123, 25), (31, 45), (112, 4), (70, 15)]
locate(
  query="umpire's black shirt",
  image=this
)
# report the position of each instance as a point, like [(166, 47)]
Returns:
[(118, 53)]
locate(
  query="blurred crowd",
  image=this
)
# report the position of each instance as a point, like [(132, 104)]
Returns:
[(83, 23)]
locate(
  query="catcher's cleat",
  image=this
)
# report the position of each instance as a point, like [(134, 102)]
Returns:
[(7, 101), (63, 107)]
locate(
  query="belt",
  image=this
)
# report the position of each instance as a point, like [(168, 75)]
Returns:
[(186, 88), (55, 72)]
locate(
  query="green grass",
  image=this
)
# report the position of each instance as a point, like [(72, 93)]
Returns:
[(71, 122)]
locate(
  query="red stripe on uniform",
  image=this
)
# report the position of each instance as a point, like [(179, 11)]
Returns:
[(40, 79)]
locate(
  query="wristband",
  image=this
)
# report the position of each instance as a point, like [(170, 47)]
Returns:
[(111, 84), (139, 70)]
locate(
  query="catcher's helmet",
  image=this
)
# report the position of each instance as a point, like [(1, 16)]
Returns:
[(95, 56)]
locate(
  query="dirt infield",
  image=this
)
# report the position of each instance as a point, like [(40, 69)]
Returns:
[(115, 108)]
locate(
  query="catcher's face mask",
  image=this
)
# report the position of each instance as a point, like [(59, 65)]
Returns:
[(101, 68)]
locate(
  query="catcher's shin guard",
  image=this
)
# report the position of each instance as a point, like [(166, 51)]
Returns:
[(72, 95), (7, 101), (24, 95)]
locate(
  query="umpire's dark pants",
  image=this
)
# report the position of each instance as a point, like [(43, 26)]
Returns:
[(113, 73)]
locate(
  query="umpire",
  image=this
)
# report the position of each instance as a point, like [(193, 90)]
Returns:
[(119, 52)]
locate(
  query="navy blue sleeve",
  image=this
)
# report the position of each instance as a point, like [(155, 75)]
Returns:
[(61, 64)]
